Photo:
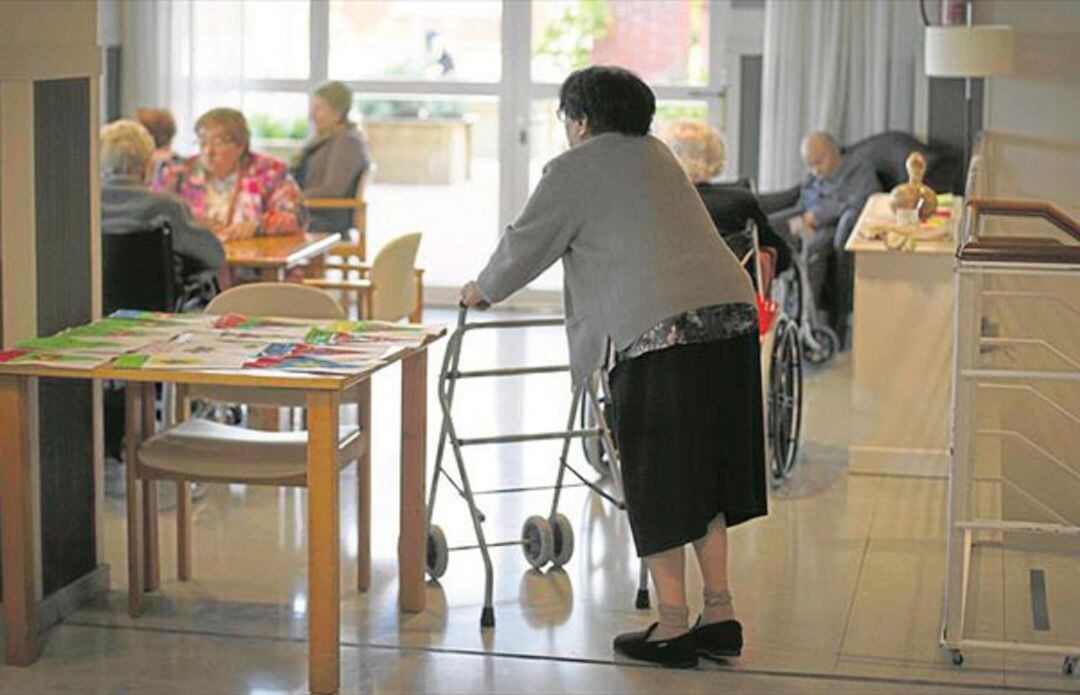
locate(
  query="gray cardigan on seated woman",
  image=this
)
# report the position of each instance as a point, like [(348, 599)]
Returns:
[(330, 167), (128, 206), (615, 209)]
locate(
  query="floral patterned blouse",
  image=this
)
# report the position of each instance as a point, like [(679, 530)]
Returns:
[(264, 192), (717, 322)]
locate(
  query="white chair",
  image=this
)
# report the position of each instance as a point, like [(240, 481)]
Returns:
[(204, 451), (391, 288)]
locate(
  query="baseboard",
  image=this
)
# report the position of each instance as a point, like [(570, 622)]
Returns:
[(69, 600), (914, 463)]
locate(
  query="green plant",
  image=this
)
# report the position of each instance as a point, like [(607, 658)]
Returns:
[(666, 113), (266, 127), (570, 38)]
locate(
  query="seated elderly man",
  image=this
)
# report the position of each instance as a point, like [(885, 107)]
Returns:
[(128, 206), (830, 200)]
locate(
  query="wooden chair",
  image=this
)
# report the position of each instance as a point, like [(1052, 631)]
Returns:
[(201, 450), (389, 289), (359, 207)]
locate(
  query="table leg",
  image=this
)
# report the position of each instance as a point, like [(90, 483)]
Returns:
[(20, 555), (151, 556), (132, 433), (412, 543), (324, 549), (363, 489)]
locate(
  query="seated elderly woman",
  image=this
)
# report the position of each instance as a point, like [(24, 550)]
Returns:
[(331, 163), (162, 127), (127, 206), (236, 192), (700, 150)]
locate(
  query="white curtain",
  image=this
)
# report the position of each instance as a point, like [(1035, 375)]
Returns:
[(844, 66), (176, 58)]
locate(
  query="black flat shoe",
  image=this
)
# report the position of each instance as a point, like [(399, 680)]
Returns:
[(677, 652), (717, 641)]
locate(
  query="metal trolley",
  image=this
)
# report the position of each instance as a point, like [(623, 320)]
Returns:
[(1017, 313), (543, 539)]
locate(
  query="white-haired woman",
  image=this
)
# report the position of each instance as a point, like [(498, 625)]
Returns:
[(128, 206), (700, 150)]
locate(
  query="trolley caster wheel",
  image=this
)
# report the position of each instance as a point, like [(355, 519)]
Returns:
[(562, 548), (1068, 667), (537, 540), (437, 552), (827, 343), (957, 657), (487, 617), (642, 600)]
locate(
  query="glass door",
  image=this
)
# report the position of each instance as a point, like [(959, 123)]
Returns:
[(669, 44)]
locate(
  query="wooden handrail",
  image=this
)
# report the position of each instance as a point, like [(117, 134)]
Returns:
[(1025, 208)]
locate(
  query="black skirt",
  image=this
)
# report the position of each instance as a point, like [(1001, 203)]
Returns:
[(689, 426)]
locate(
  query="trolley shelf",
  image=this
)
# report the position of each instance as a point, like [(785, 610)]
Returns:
[(1018, 527)]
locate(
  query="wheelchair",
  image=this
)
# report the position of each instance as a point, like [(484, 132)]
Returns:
[(782, 332)]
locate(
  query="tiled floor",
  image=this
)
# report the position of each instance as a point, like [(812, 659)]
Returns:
[(839, 587)]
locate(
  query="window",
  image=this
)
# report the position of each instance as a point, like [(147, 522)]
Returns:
[(664, 42), (459, 119), (437, 171), (415, 40)]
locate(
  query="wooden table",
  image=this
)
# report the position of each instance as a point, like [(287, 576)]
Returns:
[(21, 552), (902, 342), (274, 256)]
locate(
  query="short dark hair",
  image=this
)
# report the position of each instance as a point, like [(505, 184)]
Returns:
[(612, 98)]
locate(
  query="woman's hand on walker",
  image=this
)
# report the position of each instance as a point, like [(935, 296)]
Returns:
[(471, 297)]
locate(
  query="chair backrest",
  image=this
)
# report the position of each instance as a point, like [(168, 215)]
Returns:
[(392, 276), (138, 270), (281, 299)]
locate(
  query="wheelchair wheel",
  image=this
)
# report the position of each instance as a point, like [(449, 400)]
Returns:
[(822, 345), (785, 400)]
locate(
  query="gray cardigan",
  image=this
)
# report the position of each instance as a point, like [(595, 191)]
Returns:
[(636, 242), (328, 168), (128, 206)]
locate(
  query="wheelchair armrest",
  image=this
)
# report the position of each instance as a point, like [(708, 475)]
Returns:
[(778, 200)]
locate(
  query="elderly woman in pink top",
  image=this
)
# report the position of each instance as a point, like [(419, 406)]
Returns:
[(234, 191)]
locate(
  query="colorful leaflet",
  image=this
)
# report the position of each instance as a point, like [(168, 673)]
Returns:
[(52, 359)]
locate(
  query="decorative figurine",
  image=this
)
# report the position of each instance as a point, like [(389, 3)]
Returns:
[(913, 201)]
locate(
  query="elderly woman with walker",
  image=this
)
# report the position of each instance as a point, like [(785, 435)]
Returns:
[(652, 294)]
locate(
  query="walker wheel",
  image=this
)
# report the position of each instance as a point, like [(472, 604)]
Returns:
[(537, 540), (957, 657), (437, 552), (562, 548), (1068, 667)]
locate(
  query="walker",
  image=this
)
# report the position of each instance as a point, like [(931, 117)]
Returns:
[(543, 539)]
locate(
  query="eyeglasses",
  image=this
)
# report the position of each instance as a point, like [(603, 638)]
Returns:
[(215, 142)]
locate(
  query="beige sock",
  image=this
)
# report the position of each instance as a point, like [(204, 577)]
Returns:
[(674, 621), (718, 607)]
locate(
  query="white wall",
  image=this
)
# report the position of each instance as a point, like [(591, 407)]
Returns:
[(1042, 98)]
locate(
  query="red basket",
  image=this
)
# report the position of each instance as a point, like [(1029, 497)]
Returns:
[(767, 310)]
